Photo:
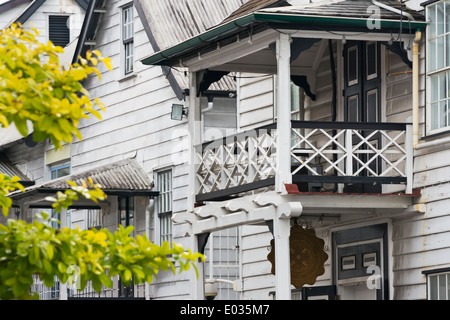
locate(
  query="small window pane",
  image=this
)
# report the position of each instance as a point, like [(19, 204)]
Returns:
[(432, 60), (434, 87), (434, 115), (440, 18), (432, 18), (443, 114), (433, 288), (352, 66), (442, 86), (447, 51), (442, 287), (447, 11), (371, 60), (440, 50), (353, 109), (372, 99)]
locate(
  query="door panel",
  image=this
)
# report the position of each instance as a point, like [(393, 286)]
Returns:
[(362, 90)]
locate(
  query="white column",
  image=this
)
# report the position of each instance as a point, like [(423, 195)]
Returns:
[(283, 175), (194, 125), (282, 230)]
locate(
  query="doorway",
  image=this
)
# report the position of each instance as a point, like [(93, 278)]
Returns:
[(362, 101), (360, 263)]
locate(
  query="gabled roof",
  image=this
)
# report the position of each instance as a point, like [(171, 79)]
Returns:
[(327, 15)]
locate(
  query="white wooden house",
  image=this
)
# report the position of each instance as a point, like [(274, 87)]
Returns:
[(326, 116)]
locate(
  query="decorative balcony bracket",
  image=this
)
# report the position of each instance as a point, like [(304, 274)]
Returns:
[(246, 210)]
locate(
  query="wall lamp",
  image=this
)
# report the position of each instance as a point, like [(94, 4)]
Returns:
[(178, 111)]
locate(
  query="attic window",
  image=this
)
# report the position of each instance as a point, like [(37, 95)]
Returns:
[(128, 38), (58, 30)]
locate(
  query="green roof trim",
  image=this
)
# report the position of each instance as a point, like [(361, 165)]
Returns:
[(164, 57)]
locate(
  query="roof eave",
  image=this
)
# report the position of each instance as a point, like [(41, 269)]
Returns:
[(167, 56)]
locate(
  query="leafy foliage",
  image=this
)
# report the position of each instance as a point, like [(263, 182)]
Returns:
[(35, 89)]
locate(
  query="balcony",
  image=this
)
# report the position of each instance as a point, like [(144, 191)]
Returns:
[(325, 157)]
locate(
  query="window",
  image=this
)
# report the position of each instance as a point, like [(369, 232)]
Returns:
[(58, 30), (165, 205), (55, 173), (126, 211), (438, 284), (94, 218), (128, 38), (438, 67), (60, 171)]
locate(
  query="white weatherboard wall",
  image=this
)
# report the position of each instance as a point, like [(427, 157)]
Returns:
[(136, 124)]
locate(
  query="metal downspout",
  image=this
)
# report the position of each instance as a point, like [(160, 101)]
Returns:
[(415, 88)]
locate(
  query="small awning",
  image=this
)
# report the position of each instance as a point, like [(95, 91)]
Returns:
[(339, 15), (125, 178)]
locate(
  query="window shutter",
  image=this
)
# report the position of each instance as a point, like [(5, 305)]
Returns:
[(59, 32)]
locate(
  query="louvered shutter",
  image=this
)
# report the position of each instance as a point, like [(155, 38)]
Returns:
[(59, 32)]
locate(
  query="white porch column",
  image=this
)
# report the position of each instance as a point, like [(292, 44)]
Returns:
[(283, 174), (281, 232), (194, 126)]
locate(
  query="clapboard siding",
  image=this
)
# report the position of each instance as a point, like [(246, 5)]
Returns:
[(137, 124), (255, 100)]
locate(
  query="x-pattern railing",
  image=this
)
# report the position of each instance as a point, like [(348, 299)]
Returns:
[(236, 160), (351, 149), (364, 152)]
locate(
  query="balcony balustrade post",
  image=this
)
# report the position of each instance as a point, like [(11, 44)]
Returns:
[(349, 152), (283, 174)]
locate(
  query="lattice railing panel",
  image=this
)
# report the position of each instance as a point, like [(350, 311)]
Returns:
[(349, 152), (236, 160)]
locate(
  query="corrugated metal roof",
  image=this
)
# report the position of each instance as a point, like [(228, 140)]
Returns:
[(347, 9), (172, 22), (254, 5), (123, 175)]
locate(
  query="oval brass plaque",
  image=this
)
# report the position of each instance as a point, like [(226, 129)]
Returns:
[(307, 256)]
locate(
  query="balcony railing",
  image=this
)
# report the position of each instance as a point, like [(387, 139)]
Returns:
[(321, 152)]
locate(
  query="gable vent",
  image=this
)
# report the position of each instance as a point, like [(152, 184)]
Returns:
[(58, 29)]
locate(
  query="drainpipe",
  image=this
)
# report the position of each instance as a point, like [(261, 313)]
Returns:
[(415, 89)]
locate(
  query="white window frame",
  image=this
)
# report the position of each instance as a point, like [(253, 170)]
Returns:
[(164, 205), (127, 39), (434, 284), (435, 127)]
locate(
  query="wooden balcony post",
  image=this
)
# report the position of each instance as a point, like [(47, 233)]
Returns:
[(194, 127), (283, 175)]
